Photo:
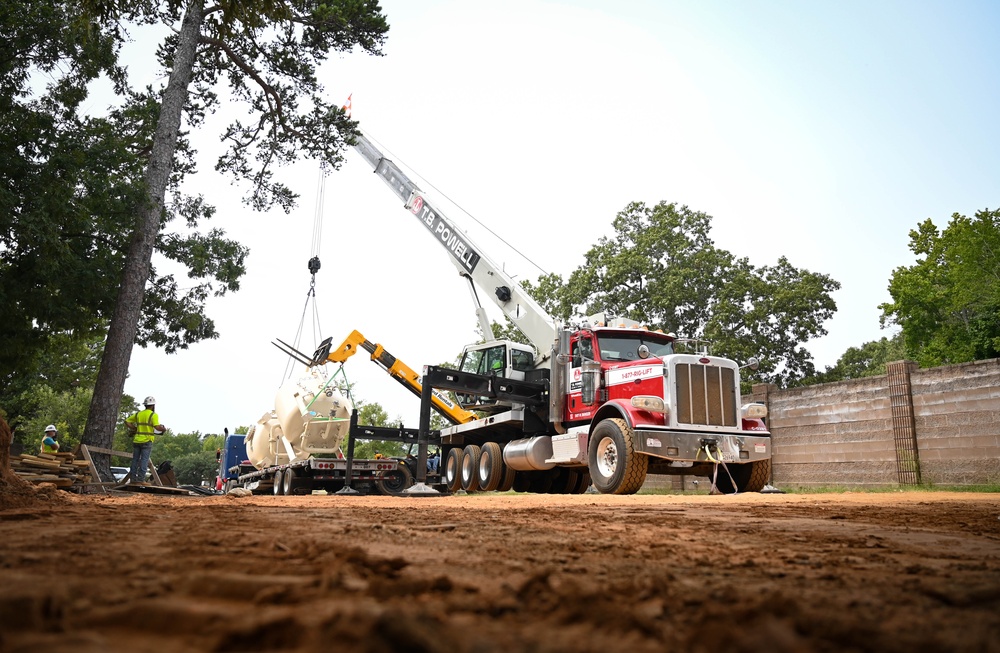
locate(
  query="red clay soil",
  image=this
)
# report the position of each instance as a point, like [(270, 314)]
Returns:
[(482, 573)]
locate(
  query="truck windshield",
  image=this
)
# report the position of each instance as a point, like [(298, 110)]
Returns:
[(626, 347)]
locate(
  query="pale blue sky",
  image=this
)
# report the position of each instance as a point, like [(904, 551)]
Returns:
[(819, 131)]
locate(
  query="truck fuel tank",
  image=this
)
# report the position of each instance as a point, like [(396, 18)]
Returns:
[(529, 454)]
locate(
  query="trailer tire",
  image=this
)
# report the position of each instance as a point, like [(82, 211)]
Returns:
[(507, 483), (749, 477), (571, 481), (277, 485), (522, 481), (541, 482), (288, 482), (470, 468), (393, 482), (560, 480), (615, 466), (490, 468), (453, 469)]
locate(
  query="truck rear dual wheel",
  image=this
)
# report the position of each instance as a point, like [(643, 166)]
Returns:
[(277, 485), (507, 482), (453, 469), (615, 466), (490, 468), (470, 468), (749, 477)]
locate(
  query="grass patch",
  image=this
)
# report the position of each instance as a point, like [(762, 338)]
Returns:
[(930, 487)]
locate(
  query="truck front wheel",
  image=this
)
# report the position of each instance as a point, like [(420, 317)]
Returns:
[(749, 477), (615, 467)]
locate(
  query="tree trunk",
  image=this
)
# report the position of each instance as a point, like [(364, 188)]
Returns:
[(110, 384)]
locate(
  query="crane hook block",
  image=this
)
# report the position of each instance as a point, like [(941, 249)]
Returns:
[(314, 265)]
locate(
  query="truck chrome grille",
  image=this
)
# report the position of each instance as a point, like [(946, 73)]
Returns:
[(706, 395)]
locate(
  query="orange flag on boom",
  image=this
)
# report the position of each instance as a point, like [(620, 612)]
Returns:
[(347, 107)]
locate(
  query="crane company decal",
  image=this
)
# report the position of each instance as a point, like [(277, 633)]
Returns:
[(575, 379), (447, 234), (633, 374)]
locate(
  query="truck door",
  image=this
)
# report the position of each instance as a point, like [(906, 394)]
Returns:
[(581, 348)]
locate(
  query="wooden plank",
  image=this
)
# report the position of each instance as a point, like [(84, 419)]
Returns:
[(85, 451), (110, 452)]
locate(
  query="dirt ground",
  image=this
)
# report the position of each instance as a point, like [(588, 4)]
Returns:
[(512, 572)]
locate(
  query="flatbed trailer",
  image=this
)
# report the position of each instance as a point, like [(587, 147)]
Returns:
[(389, 476)]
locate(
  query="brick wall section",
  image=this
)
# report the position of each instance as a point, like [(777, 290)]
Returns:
[(957, 415), (832, 434), (841, 434)]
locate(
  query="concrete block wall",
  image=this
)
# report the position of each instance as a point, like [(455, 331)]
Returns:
[(832, 434), (842, 433), (957, 416)]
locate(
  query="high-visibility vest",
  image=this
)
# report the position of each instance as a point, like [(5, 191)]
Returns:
[(144, 420), (47, 448)]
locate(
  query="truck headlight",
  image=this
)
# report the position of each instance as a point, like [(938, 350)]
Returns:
[(755, 411), (649, 403)]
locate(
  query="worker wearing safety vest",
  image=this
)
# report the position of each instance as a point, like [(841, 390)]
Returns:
[(144, 427), (49, 443)]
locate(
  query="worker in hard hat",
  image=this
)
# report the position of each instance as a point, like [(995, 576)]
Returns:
[(49, 442), (144, 427)]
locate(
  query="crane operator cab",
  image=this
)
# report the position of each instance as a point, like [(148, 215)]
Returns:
[(503, 358)]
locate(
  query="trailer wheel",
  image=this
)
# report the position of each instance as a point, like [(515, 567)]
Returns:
[(277, 486), (615, 467), (572, 480), (522, 481), (288, 482), (453, 469), (470, 468), (507, 482), (394, 481), (749, 477), (490, 467), (541, 482)]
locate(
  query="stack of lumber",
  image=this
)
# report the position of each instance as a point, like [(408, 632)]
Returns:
[(60, 469)]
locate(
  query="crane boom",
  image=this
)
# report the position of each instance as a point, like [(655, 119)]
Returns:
[(532, 320)]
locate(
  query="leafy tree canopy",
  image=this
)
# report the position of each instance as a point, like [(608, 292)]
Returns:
[(73, 184), (662, 268), (193, 468), (267, 53), (858, 362), (948, 302)]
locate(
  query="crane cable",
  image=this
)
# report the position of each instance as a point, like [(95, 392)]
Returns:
[(314, 266)]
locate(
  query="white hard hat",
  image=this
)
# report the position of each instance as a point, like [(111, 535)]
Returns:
[(150, 401), (50, 427)]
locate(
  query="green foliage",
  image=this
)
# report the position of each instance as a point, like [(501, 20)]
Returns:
[(59, 392), (212, 443), (662, 268), (173, 447), (858, 362), (948, 303), (73, 184), (193, 468), (372, 414)]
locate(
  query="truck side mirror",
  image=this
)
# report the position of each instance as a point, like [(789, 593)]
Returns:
[(589, 376)]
